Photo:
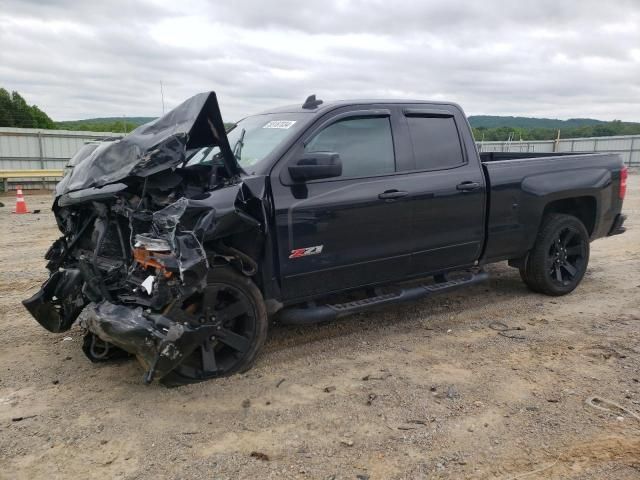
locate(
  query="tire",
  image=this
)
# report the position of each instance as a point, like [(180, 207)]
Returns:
[(527, 282), (558, 260), (225, 286)]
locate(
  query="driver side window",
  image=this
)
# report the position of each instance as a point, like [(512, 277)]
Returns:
[(365, 145)]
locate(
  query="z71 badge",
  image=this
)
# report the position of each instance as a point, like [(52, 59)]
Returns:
[(305, 252)]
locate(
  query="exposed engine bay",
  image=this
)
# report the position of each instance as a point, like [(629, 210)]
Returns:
[(141, 232)]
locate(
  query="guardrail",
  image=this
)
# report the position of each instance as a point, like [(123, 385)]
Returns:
[(17, 176), (30, 173)]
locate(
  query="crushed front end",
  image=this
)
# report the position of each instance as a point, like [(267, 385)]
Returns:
[(139, 239)]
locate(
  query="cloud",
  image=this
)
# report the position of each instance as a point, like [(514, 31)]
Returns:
[(556, 58)]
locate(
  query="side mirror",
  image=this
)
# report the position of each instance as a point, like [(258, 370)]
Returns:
[(315, 165)]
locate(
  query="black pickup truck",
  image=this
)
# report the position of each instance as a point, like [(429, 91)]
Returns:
[(181, 241)]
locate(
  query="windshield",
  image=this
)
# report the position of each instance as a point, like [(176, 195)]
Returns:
[(252, 139)]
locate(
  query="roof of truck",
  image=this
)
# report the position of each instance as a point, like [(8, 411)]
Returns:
[(326, 106)]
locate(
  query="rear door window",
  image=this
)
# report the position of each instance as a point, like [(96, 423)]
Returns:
[(436, 143), (365, 145)]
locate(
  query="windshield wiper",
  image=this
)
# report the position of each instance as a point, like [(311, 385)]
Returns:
[(237, 147)]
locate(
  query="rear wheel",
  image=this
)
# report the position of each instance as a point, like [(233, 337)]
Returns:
[(558, 260), (234, 304)]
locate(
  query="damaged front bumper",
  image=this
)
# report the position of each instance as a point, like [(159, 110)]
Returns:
[(159, 342), (59, 302)]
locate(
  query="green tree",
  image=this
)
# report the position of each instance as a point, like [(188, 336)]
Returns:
[(16, 112), (6, 109), (42, 119), (22, 112)]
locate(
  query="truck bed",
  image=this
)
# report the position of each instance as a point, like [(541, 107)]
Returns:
[(486, 157), (523, 186)]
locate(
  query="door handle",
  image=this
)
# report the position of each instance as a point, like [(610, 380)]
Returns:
[(468, 186), (392, 195)]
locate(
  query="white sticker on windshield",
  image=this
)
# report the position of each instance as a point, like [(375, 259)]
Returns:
[(280, 124)]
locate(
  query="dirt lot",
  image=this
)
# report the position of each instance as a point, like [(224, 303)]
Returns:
[(425, 390)]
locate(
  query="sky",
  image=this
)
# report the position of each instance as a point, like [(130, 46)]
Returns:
[(556, 58)]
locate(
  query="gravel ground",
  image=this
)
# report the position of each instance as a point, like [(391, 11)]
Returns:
[(423, 390)]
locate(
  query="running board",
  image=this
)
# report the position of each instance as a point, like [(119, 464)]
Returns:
[(323, 313)]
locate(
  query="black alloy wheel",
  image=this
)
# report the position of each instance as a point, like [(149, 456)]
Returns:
[(231, 303), (558, 260), (566, 256)]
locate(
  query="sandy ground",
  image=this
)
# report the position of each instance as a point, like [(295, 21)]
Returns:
[(424, 390)]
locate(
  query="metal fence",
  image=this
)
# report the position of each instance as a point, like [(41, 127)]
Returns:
[(34, 149), (628, 146)]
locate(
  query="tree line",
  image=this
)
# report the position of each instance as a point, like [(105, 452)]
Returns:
[(605, 129), (16, 112), (119, 125)]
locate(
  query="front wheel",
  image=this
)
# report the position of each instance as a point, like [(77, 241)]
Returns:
[(558, 260), (233, 303)]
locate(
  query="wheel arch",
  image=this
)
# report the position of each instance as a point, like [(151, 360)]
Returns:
[(584, 208)]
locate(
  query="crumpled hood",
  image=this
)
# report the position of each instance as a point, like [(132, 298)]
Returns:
[(155, 146)]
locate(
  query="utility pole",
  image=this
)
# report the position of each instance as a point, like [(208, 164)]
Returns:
[(162, 96), (557, 142)]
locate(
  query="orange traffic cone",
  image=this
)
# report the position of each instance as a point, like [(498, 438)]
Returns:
[(21, 206)]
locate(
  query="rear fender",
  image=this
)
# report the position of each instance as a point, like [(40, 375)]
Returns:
[(545, 189)]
